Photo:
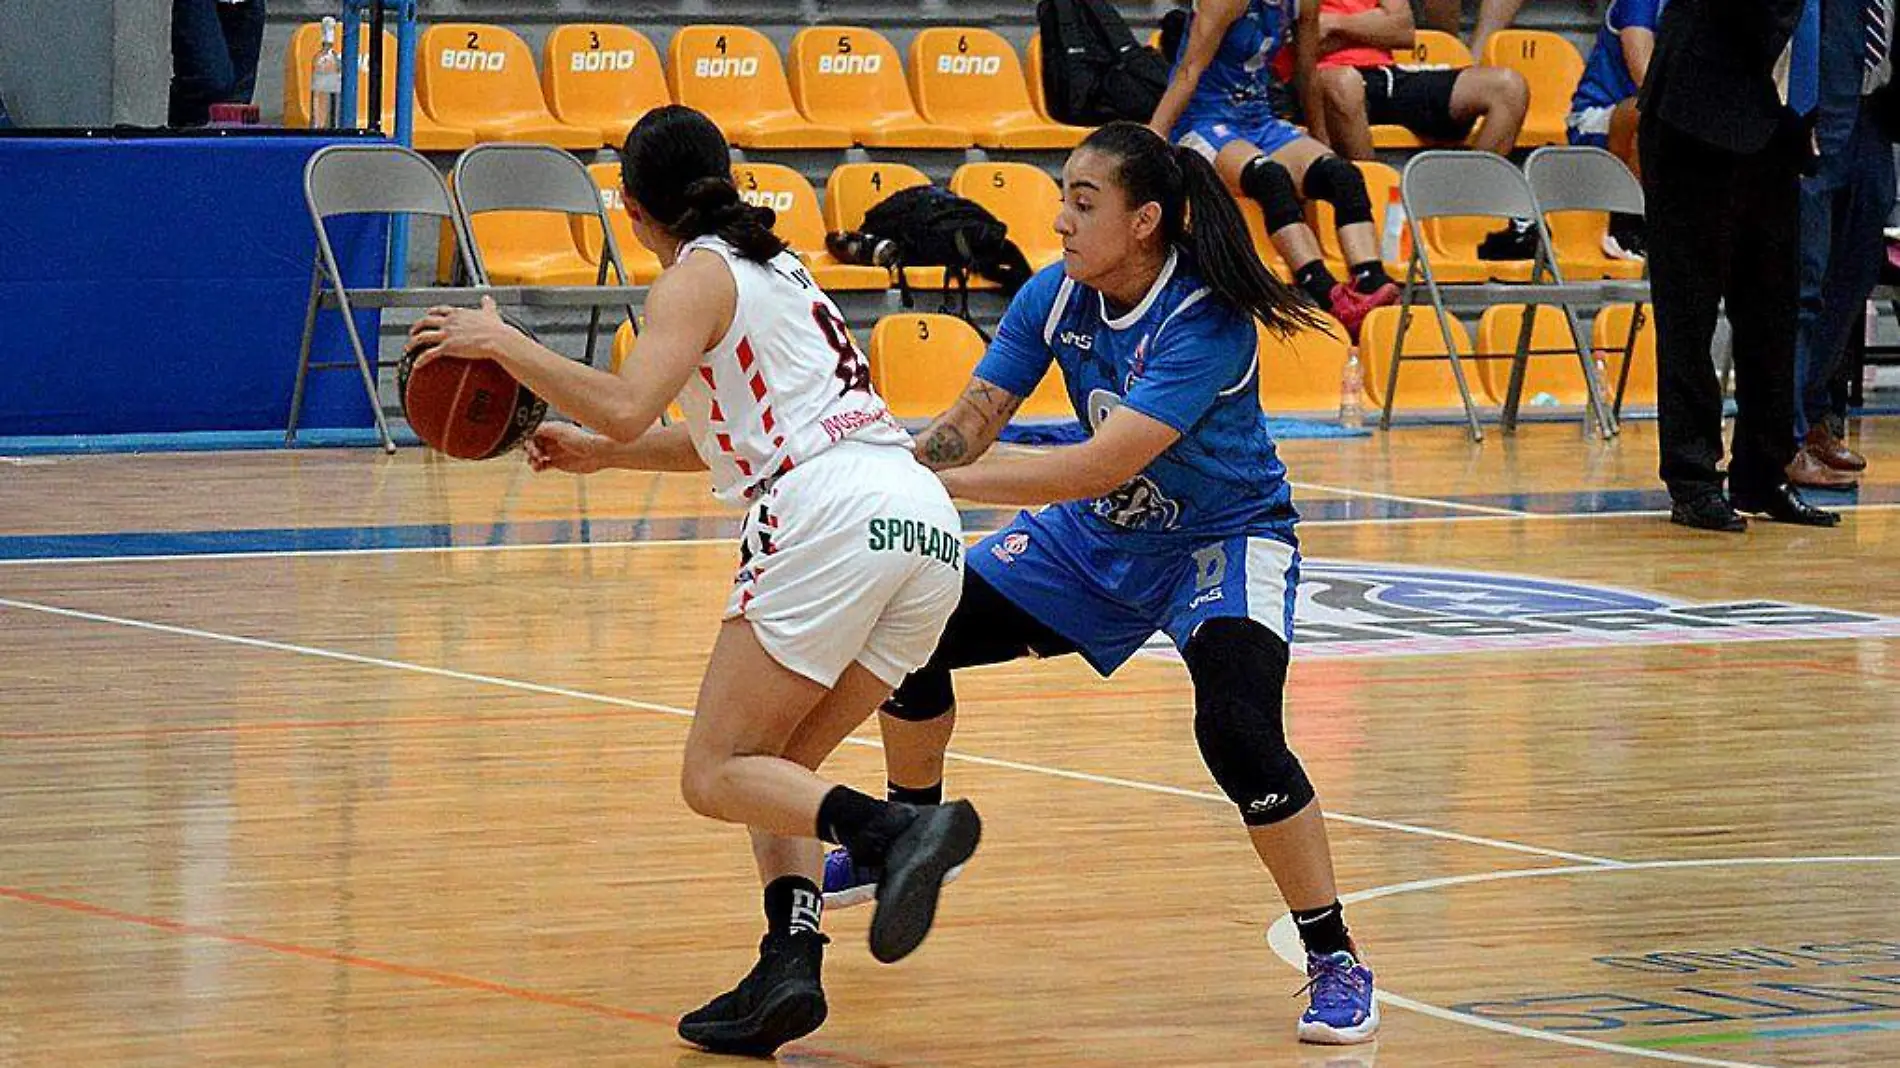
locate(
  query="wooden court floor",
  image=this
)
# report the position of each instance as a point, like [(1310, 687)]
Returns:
[(324, 758)]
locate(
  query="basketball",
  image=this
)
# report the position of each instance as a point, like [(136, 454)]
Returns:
[(468, 409)]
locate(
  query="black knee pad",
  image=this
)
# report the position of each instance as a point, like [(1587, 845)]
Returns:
[(1339, 183), (1272, 186), (924, 695), (1239, 672)]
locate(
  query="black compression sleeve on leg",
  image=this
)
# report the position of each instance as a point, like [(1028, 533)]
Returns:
[(1340, 184), (1239, 672), (1272, 186)]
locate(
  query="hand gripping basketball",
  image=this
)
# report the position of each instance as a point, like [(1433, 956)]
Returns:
[(461, 404)]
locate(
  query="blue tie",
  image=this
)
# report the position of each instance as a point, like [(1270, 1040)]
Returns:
[(1804, 64)]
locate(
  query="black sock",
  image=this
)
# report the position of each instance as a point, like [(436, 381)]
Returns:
[(1367, 277), (915, 795), (1323, 930), (864, 825), (1317, 282), (793, 905)]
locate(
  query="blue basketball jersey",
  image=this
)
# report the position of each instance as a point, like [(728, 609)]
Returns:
[(1183, 357), (1237, 85), (1606, 75)]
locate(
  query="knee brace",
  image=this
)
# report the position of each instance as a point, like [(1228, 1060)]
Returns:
[(1239, 672), (924, 695), (1339, 183), (1272, 186)]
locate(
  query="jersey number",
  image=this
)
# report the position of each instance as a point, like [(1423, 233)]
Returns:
[(853, 370)]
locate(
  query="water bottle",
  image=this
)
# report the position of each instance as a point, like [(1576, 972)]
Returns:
[(1352, 392), (1393, 248), (326, 81)]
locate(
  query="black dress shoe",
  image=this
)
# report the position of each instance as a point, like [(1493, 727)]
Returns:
[(1708, 512), (1783, 504)]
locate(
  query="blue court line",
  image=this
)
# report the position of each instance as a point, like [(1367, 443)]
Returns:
[(620, 530), (592, 530), (1766, 1034)]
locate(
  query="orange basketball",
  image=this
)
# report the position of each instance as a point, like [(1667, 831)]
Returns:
[(468, 409)]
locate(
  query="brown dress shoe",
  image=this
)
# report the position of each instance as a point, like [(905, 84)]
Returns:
[(1832, 451), (1810, 471)]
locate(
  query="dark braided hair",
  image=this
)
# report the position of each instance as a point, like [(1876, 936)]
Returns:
[(1199, 215), (677, 167)]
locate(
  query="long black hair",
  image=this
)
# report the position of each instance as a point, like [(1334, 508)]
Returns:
[(677, 167), (1199, 215)]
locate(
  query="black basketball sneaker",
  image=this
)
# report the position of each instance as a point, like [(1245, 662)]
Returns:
[(778, 1001)]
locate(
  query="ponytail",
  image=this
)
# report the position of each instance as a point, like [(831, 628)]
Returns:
[(713, 207), (1216, 236), (677, 166), (1199, 215)]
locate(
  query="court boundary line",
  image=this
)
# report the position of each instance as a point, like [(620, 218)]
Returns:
[(570, 546), (674, 711), (1285, 943), (1396, 498)]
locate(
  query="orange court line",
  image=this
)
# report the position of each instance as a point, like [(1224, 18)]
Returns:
[(433, 976)]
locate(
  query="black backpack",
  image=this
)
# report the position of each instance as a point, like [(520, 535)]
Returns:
[(934, 227), (1092, 70)]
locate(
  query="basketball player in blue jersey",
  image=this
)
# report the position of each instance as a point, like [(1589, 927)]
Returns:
[(1218, 103), (1174, 516), (1603, 113)]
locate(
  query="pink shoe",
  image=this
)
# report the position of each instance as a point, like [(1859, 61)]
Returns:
[(1351, 307)]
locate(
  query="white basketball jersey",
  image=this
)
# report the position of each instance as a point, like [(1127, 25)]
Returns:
[(786, 383)]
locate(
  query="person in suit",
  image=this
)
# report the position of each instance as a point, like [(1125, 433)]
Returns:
[(1844, 207), (1723, 138), (215, 49)]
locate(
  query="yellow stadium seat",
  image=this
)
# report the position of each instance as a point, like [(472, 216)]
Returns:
[(482, 77), (733, 75), (1453, 243), (853, 188), (1023, 197), (921, 363), (786, 192), (427, 134), (1608, 335), (1423, 384), (1557, 376), (602, 76), (1302, 373), (623, 346), (970, 78), (640, 261), (522, 248), (1578, 239), (1553, 67), (1381, 180), (850, 76), (1431, 48)]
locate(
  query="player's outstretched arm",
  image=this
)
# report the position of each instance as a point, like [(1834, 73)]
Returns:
[(1125, 443), (968, 429), (578, 451)]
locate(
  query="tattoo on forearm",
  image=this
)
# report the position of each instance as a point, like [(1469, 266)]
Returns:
[(943, 446)]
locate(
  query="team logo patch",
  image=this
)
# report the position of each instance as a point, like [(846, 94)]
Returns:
[(1012, 546), (1386, 610)]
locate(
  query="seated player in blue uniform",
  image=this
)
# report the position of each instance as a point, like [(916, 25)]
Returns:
[(1175, 515), (1219, 102), (1603, 113)]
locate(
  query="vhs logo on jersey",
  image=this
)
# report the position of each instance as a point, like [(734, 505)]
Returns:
[(1383, 610)]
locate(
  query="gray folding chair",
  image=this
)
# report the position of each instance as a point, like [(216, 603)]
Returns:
[(1450, 184), (516, 177), (368, 179), (1582, 178)]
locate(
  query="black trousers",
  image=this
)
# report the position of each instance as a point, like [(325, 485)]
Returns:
[(1723, 226), (215, 49)]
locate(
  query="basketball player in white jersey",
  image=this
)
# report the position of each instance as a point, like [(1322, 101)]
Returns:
[(850, 562)]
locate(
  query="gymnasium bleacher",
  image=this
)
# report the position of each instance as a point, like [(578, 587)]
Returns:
[(830, 109)]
